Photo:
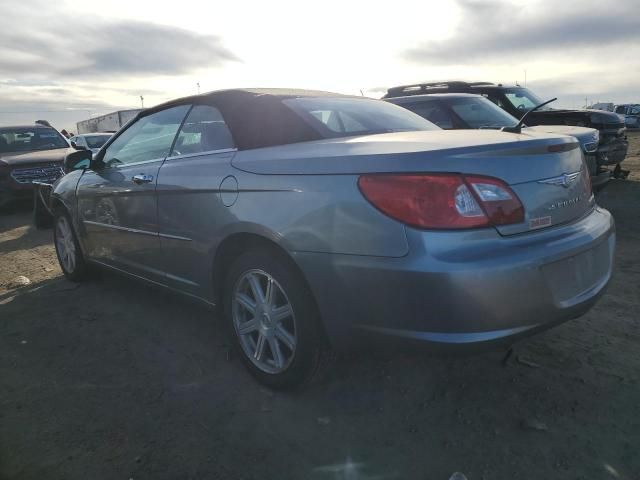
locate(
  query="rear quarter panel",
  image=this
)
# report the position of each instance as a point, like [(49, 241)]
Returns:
[(317, 213)]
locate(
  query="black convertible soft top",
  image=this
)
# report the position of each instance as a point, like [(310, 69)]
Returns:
[(256, 116)]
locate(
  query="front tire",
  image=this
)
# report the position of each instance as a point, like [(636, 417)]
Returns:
[(67, 248), (273, 319)]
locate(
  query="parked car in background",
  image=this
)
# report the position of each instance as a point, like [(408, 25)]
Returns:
[(517, 101), (454, 111), (607, 106), (631, 114), (29, 153), (309, 217), (90, 141), (111, 122)]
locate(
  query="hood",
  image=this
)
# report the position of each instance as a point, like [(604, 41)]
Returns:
[(578, 117), (40, 156), (584, 135)]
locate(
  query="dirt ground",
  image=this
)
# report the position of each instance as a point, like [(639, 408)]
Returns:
[(116, 380)]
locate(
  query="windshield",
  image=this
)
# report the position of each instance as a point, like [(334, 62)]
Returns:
[(342, 117), (96, 141), (478, 112), (29, 139), (523, 99)]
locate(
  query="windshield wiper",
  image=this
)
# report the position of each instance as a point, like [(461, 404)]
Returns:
[(517, 128)]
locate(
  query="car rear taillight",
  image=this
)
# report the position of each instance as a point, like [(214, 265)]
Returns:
[(501, 205), (446, 201)]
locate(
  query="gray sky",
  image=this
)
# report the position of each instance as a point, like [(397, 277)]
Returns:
[(65, 61)]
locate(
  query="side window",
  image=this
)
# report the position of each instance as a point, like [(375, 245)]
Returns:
[(495, 99), (149, 138), (204, 130), (434, 112), (620, 109)]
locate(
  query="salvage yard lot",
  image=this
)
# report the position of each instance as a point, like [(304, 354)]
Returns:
[(112, 379)]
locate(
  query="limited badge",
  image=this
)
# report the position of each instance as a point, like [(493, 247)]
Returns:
[(539, 222)]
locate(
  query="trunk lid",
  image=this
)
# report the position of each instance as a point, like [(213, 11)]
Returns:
[(545, 171), (556, 199)]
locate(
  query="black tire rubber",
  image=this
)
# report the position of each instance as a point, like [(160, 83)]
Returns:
[(312, 347), (81, 271)]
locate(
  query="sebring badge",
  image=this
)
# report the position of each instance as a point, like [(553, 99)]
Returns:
[(565, 203), (564, 180)]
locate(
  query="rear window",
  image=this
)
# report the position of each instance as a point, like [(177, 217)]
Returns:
[(30, 139), (343, 117), (433, 111), (478, 112)]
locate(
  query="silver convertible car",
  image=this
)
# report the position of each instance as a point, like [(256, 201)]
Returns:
[(310, 216)]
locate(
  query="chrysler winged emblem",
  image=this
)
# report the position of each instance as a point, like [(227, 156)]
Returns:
[(564, 180)]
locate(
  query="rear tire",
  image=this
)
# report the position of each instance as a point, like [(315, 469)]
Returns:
[(67, 248), (273, 320)]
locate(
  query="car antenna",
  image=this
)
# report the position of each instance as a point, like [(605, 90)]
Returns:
[(518, 127)]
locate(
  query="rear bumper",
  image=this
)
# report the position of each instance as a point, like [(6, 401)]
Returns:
[(466, 288)]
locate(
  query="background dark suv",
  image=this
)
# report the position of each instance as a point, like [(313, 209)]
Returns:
[(29, 153), (518, 100)]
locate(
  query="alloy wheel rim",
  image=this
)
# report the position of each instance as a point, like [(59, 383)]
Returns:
[(65, 245), (264, 321)]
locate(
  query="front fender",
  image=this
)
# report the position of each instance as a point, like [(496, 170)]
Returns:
[(64, 192)]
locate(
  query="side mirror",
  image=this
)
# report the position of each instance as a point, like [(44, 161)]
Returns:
[(77, 160), (78, 147)]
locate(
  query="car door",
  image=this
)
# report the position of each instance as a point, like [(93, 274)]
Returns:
[(117, 201), (195, 188)]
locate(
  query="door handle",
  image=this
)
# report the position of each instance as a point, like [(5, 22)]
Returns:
[(142, 178)]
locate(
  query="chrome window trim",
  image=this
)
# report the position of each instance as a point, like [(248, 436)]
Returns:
[(135, 230), (125, 165), (208, 152)]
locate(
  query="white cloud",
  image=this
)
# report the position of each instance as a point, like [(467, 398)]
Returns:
[(97, 56)]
